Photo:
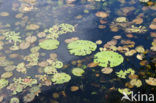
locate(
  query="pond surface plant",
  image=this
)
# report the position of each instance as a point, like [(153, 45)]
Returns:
[(108, 59), (81, 47), (49, 44), (60, 78)]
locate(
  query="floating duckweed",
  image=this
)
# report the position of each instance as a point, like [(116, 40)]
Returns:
[(108, 59), (81, 47), (60, 78), (49, 44), (3, 83), (14, 100), (77, 71)]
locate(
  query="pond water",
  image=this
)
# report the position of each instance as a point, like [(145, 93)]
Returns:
[(77, 51)]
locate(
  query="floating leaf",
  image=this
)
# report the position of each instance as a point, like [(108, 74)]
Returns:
[(108, 59), (49, 44), (60, 78), (81, 47), (3, 83), (77, 71)]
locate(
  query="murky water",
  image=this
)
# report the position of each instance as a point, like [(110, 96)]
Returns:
[(35, 39)]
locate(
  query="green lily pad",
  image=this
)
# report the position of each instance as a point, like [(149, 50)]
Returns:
[(3, 83), (60, 78), (77, 71), (81, 47), (108, 59), (49, 44)]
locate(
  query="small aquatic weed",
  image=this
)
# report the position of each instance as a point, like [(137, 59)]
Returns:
[(108, 59), (60, 78), (3, 83), (49, 44), (12, 36), (81, 47), (77, 71), (55, 31), (14, 100), (20, 84), (123, 74)]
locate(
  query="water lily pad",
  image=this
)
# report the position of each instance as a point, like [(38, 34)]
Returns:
[(14, 100), (77, 71), (108, 59), (60, 78), (3, 83), (81, 47), (106, 70), (151, 81), (49, 44)]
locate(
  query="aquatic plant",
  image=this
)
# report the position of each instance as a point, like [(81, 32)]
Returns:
[(121, 19), (107, 70), (12, 36), (151, 81), (135, 29), (108, 58), (7, 75), (123, 74), (3, 83), (55, 31), (14, 100), (32, 58), (125, 90), (21, 67), (50, 70), (81, 47), (35, 90), (49, 44), (20, 84), (28, 97), (57, 64), (60, 78), (144, 1), (77, 71), (136, 82)]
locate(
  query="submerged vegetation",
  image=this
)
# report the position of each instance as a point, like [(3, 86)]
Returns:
[(86, 50)]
